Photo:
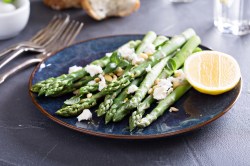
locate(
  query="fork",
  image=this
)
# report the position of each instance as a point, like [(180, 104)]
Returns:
[(64, 39), (42, 39)]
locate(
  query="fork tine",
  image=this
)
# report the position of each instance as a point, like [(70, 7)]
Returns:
[(53, 46), (41, 37), (65, 33), (65, 38), (53, 31), (75, 32), (40, 32)]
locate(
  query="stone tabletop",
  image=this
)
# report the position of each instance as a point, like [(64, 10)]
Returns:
[(27, 137)]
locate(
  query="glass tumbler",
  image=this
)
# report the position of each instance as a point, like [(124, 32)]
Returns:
[(232, 16)]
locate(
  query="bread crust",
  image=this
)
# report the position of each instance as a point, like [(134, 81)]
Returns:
[(90, 11), (62, 4), (122, 10)]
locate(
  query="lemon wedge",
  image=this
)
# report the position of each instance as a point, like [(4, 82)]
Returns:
[(212, 72)]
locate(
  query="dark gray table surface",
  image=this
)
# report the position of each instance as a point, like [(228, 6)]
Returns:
[(27, 137)]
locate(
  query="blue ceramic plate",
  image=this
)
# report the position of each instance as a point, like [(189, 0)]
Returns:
[(195, 109)]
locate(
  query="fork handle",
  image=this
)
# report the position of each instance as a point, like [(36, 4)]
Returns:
[(27, 63), (11, 57), (4, 52), (24, 45)]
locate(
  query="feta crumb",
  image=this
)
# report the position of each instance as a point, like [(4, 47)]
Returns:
[(102, 83), (179, 78), (159, 93), (93, 70), (179, 73), (150, 49), (42, 66), (165, 82), (74, 69), (126, 51), (85, 115), (163, 88), (113, 65), (91, 82), (148, 69), (137, 60), (132, 89), (108, 54), (173, 109)]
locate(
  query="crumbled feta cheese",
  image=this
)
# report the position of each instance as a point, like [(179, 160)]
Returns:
[(163, 88), (113, 65), (131, 57), (42, 66), (148, 69), (85, 115), (179, 78), (173, 109), (126, 51), (132, 89), (93, 70), (91, 82), (108, 54), (74, 69), (159, 93), (179, 73), (150, 49), (165, 82), (102, 83), (137, 60)]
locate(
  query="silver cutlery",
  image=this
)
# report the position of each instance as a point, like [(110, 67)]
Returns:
[(65, 38), (39, 42)]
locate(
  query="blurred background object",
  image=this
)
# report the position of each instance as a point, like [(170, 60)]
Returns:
[(180, 1), (232, 16), (18, 12), (97, 9)]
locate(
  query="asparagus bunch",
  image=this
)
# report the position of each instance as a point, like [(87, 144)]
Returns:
[(167, 49), (142, 91), (108, 101), (178, 61), (147, 83), (169, 56), (119, 100), (67, 82), (163, 105), (116, 59)]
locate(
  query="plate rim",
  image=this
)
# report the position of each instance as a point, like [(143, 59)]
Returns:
[(119, 136)]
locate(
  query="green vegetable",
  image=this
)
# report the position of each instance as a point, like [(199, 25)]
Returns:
[(64, 83), (178, 60), (142, 91), (168, 48), (164, 105), (180, 57), (8, 1), (149, 38), (77, 108), (141, 108), (119, 101), (137, 115), (106, 104)]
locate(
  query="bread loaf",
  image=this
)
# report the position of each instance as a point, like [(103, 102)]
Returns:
[(98, 9), (101, 9), (63, 4)]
